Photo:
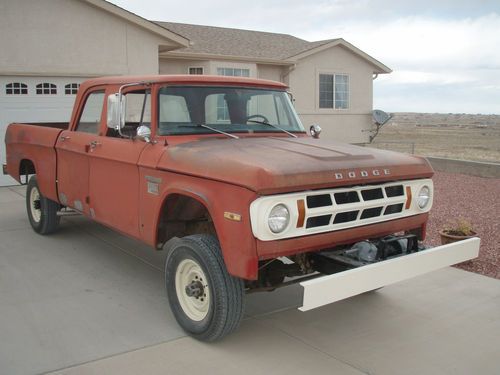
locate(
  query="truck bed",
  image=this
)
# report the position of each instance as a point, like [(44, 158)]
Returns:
[(31, 148), (56, 125)]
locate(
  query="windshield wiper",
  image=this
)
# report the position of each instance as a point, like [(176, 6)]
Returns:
[(212, 129), (274, 126)]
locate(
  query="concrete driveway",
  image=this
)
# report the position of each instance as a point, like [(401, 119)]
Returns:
[(89, 301)]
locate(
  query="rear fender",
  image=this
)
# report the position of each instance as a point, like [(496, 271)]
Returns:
[(36, 144)]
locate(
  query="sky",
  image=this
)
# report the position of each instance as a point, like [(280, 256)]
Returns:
[(445, 54)]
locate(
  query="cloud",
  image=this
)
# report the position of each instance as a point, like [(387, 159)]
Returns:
[(436, 48)]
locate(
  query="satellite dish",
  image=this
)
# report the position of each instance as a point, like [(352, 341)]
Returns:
[(380, 117)]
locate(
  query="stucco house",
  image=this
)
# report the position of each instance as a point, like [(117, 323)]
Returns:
[(331, 80), (50, 46)]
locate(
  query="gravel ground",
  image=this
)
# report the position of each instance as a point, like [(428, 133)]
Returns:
[(476, 200)]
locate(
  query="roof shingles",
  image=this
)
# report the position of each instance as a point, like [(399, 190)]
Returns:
[(235, 42)]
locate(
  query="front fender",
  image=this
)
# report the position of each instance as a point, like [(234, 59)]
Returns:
[(235, 237)]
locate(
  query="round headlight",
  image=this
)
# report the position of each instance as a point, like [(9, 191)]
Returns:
[(278, 218), (424, 196)]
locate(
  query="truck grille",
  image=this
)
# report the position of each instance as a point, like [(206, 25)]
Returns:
[(335, 209), (354, 204)]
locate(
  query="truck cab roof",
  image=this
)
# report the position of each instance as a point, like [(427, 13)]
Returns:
[(183, 79)]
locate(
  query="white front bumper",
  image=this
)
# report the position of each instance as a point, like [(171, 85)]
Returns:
[(324, 290)]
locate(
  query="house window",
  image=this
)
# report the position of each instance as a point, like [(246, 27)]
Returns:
[(222, 111), (334, 91), (233, 72), (46, 89), (71, 88), (16, 88), (196, 70)]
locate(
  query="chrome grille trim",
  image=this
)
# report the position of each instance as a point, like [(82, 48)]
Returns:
[(357, 206)]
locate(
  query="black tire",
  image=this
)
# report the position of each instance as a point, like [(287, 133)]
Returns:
[(42, 212), (225, 304)]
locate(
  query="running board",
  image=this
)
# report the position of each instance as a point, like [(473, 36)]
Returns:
[(332, 288)]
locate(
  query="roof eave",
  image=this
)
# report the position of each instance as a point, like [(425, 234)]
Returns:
[(141, 22), (380, 68), (210, 56)]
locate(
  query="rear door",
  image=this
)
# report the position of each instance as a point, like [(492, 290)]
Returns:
[(73, 149)]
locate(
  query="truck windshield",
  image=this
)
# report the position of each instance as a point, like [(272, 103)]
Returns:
[(182, 109)]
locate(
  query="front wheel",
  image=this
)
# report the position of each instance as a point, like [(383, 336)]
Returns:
[(42, 212), (205, 299)]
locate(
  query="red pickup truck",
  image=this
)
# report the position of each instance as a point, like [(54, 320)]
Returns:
[(220, 173)]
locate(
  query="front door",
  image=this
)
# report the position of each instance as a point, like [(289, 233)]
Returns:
[(114, 183), (114, 174)]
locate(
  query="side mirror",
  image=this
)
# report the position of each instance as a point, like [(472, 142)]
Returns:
[(315, 131), (143, 133), (116, 111)]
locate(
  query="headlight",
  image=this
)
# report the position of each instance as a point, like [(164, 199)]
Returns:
[(278, 218), (424, 196)]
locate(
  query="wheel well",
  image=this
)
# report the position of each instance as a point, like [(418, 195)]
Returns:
[(181, 216), (26, 168)]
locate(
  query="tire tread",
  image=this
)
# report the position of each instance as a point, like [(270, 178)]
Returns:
[(229, 311)]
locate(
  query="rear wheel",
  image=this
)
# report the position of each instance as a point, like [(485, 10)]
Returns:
[(205, 299), (42, 212)]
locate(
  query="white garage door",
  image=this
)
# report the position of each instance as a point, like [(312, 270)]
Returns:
[(34, 99)]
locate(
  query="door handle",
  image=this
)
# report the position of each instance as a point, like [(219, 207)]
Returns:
[(65, 137), (94, 144)]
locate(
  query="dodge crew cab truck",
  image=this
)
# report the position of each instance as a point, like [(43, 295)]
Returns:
[(220, 173)]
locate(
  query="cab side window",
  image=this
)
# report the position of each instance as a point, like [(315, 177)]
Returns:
[(91, 114)]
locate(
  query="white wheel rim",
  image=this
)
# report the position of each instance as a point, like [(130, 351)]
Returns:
[(195, 307), (36, 212)]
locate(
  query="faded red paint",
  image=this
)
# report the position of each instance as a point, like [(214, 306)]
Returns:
[(108, 176)]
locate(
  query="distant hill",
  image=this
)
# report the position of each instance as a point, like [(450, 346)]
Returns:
[(454, 136), (443, 120)]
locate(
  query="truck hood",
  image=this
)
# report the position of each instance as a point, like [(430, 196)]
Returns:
[(274, 165)]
